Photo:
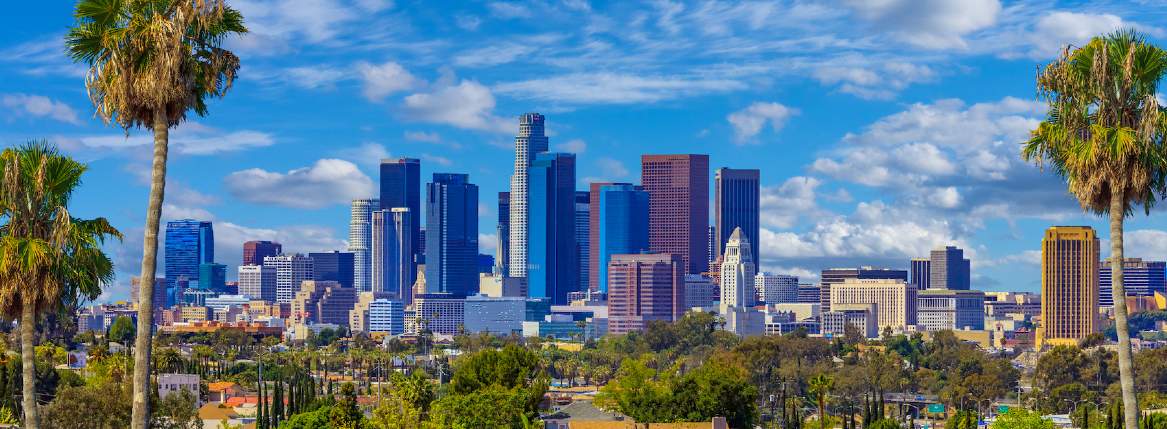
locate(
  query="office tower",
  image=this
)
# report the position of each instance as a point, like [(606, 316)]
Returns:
[(921, 273), (213, 277), (736, 204), (894, 299), (254, 251), (420, 252), (494, 315), (838, 275), (189, 243), (949, 270), (552, 270), (1069, 285), (485, 263), (291, 270), (948, 309), (159, 300), (582, 239), (809, 293), (359, 316), (737, 272), (386, 316), (440, 313), (401, 187), (678, 189), (711, 247), (323, 302), (503, 253), (776, 288), (360, 242), (529, 142), (699, 291), (642, 288), (258, 282), (391, 255), (335, 266), (1139, 278), (621, 225), (595, 264), (452, 235)]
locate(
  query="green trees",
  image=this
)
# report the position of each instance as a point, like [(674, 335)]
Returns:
[(720, 387), (820, 388), (121, 331), (1104, 133), (151, 61), (513, 368), (345, 414), (1021, 419)]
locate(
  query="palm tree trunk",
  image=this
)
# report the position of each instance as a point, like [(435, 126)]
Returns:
[(1126, 369), (141, 414), (28, 364)]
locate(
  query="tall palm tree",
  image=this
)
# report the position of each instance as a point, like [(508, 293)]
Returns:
[(1105, 133), (151, 61), (47, 257), (820, 386)]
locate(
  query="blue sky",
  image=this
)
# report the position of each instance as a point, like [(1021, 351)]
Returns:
[(882, 128)]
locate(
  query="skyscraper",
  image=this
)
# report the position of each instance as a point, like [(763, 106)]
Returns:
[(737, 272), (530, 141), (401, 187), (921, 273), (360, 240), (552, 262), (503, 254), (291, 270), (258, 282), (189, 243), (1139, 278), (392, 255), (451, 235), (678, 189), (949, 269), (582, 239), (776, 288), (736, 205), (643, 288), (254, 251), (621, 225), (838, 275), (1069, 285), (595, 264), (213, 277), (895, 299), (333, 266)]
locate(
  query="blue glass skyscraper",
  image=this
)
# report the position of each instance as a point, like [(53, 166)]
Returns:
[(401, 187), (552, 257), (622, 223), (189, 244), (451, 235)]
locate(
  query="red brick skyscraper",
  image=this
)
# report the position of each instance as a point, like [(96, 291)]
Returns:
[(255, 251), (678, 207)]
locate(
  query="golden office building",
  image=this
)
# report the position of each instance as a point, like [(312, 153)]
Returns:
[(1069, 285)]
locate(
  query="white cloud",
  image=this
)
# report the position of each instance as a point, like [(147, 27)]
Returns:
[(468, 22), (576, 146), (38, 106), (312, 77), (610, 169), (487, 243), (1028, 257), (937, 24), (611, 88), (275, 27), (507, 10), (368, 154), (468, 105), (1055, 30), (494, 55), (855, 76), (189, 138), (947, 197), (783, 205), (1142, 243), (422, 136), (748, 122), (874, 230), (381, 80), (436, 159), (326, 182)]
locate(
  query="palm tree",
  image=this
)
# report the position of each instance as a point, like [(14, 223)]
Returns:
[(150, 61), (820, 386), (47, 257), (1104, 133)]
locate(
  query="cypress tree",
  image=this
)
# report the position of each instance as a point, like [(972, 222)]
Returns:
[(260, 421)]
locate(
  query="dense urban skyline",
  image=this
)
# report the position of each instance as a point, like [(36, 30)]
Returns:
[(877, 138)]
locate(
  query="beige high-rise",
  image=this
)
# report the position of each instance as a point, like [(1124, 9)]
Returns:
[(1069, 285), (894, 299)]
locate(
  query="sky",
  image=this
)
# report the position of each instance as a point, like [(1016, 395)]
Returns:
[(882, 128)]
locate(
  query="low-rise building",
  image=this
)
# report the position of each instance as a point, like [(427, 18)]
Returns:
[(175, 383), (946, 309), (501, 315), (860, 317)]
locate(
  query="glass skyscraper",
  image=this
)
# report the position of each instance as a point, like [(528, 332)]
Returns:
[(622, 225), (189, 244), (736, 205), (530, 141), (360, 242), (401, 187), (1139, 278), (552, 260), (451, 235), (334, 266)]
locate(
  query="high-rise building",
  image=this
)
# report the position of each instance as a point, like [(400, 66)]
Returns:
[(921, 273), (254, 251), (452, 235), (949, 269), (258, 281), (213, 277), (1069, 285), (737, 272), (582, 239), (391, 255), (441, 313), (494, 315), (387, 316), (736, 205), (594, 262), (323, 302), (678, 189), (894, 299), (711, 247), (1139, 278), (832, 276), (621, 225), (401, 187), (699, 291), (291, 270), (809, 293), (359, 317), (949, 309), (642, 288), (502, 254), (776, 288), (530, 141), (335, 266), (552, 262), (189, 243), (360, 233)]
